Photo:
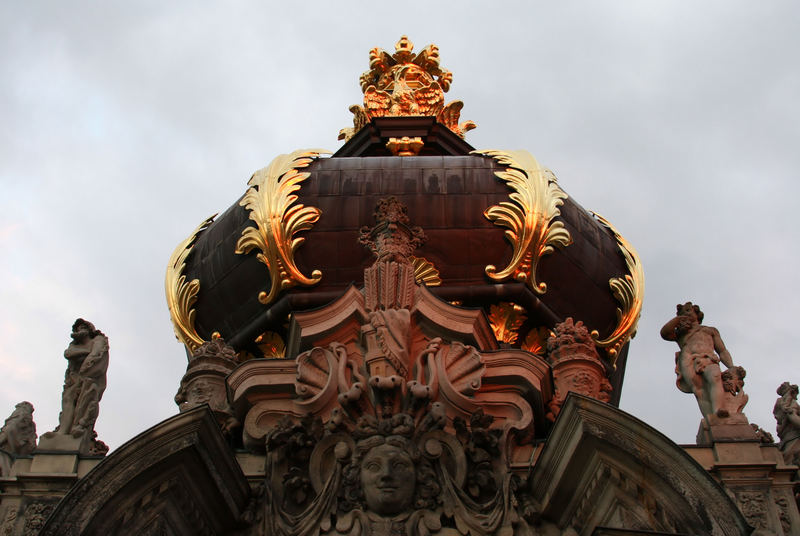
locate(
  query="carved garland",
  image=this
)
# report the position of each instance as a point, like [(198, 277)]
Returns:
[(530, 219), (269, 200), (629, 292), (182, 294)]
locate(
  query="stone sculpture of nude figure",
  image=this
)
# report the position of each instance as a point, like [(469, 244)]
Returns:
[(697, 362)]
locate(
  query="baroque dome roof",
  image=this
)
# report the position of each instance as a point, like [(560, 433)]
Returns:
[(497, 231)]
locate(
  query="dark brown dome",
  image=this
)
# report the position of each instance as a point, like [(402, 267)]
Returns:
[(446, 190)]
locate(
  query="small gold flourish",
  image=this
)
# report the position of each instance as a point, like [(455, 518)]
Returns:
[(182, 294), (425, 272), (405, 146), (269, 200), (506, 319), (629, 292), (271, 345), (530, 219), (536, 340)]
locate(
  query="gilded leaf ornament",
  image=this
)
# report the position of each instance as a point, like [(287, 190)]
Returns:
[(182, 294), (271, 345), (506, 319), (271, 202), (536, 340), (425, 272), (529, 217), (629, 292), (406, 84)]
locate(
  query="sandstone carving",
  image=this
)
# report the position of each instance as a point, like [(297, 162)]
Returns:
[(84, 381), (204, 381), (393, 429), (697, 364), (18, 435), (577, 366), (393, 474), (787, 413), (762, 435)]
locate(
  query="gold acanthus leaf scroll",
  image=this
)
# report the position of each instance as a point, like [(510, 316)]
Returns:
[(506, 319), (629, 292), (529, 217), (182, 294), (536, 340), (270, 200)]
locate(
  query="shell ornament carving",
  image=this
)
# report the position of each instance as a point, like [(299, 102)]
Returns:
[(529, 218), (182, 294), (425, 273), (271, 202), (629, 292)]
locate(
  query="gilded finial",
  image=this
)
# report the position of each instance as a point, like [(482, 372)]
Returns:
[(406, 84)]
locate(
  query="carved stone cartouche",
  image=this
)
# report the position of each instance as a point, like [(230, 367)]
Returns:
[(576, 364)]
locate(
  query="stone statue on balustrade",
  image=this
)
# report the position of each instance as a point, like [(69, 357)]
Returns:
[(697, 364), (18, 436), (84, 384), (787, 413)]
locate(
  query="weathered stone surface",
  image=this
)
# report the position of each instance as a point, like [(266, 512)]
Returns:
[(179, 477), (204, 382), (84, 384), (18, 435), (787, 415), (602, 467), (697, 365), (576, 364)]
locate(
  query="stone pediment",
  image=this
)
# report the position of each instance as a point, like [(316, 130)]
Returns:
[(178, 477), (601, 467)]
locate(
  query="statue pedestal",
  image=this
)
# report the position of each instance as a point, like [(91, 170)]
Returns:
[(715, 429), (57, 453)]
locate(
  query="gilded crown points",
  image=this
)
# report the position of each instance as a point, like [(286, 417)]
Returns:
[(406, 84)]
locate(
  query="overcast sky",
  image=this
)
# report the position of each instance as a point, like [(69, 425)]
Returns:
[(123, 125)]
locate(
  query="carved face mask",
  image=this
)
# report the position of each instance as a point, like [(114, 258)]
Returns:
[(388, 479)]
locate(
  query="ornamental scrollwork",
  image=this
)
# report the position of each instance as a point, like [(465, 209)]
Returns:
[(406, 84), (271, 202), (182, 294), (629, 292), (529, 218), (506, 318)]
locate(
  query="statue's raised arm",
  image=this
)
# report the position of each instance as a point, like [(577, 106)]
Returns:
[(697, 363)]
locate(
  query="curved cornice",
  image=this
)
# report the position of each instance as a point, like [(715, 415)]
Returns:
[(182, 464), (593, 438)]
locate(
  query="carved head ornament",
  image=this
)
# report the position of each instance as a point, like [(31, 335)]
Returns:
[(392, 238)]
